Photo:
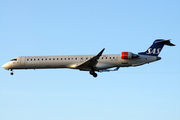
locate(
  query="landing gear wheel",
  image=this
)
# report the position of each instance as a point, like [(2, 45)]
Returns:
[(11, 73), (95, 75)]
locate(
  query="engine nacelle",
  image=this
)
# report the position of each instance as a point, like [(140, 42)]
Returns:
[(128, 55)]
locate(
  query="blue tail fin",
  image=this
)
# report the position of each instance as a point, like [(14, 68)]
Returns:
[(156, 47)]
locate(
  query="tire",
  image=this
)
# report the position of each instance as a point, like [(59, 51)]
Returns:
[(95, 75)]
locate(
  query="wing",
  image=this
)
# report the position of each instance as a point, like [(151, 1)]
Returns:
[(91, 63)]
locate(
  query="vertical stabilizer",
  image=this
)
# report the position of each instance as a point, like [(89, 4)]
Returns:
[(156, 47)]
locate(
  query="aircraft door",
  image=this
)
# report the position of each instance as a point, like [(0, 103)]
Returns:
[(22, 60)]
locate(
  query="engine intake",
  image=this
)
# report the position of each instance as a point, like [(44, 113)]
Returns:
[(128, 55)]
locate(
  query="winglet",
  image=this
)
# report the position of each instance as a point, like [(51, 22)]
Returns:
[(116, 69), (100, 53)]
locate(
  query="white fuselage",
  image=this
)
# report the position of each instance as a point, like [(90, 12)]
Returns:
[(91, 63), (104, 62)]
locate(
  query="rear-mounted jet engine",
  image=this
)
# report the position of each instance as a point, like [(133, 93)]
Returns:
[(128, 55)]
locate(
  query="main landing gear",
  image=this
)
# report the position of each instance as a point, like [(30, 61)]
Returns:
[(93, 73), (11, 72)]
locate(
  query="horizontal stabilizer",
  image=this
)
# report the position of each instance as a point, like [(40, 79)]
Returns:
[(170, 44), (166, 42)]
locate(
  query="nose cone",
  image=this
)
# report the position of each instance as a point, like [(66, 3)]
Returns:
[(6, 66)]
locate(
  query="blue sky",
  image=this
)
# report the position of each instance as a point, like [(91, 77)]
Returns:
[(77, 27)]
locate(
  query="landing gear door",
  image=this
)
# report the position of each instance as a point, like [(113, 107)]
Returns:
[(22, 60)]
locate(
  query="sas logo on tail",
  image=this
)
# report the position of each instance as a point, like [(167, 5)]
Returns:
[(153, 51)]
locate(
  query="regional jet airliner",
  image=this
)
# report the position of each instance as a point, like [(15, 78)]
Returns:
[(91, 63)]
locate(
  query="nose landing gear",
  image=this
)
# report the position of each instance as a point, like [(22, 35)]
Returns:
[(11, 72)]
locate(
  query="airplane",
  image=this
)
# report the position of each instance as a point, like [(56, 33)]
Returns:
[(91, 63)]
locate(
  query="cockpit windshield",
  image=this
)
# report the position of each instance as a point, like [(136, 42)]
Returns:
[(14, 60)]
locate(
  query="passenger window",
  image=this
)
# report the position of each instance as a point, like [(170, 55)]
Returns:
[(61, 59), (106, 57), (81, 58), (49, 58), (57, 58), (109, 57), (71, 58), (68, 58), (86, 58), (34, 59), (113, 57), (64, 58), (38, 59), (31, 59), (27, 59), (53, 58), (42, 59), (102, 57), (75, 58)]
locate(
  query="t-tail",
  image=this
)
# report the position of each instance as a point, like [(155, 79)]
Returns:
[(156, 47)]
